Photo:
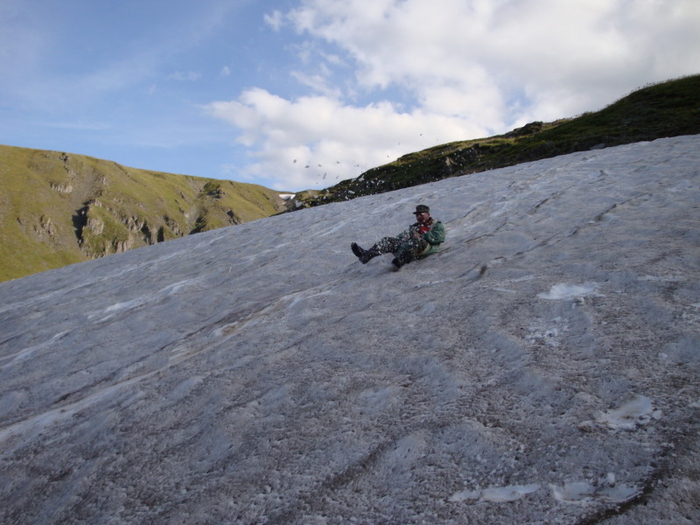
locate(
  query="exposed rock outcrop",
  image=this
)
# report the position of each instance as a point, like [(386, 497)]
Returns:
[(69, 208)]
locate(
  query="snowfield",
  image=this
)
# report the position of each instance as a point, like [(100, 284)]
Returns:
[(541, 369)]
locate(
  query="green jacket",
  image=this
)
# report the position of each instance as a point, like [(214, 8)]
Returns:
[(434, 236)]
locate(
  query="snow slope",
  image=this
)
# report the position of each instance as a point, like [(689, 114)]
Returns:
[(261, 374)]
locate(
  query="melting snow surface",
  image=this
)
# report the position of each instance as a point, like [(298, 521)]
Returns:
[(542, 368), (638, 411), (569, 291)]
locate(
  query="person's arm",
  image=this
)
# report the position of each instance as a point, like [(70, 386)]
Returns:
[(436, 235), (406, 234)]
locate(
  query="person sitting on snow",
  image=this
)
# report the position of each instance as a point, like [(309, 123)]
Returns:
[(418, 241)]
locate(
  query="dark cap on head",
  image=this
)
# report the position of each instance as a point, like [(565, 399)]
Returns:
[(422, 208)]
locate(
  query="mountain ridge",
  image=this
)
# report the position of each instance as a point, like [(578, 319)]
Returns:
[(665, 109), (60, 208)]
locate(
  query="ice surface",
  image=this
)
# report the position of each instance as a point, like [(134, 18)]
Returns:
[(585, 492), (569, 291), (494, 494), (542, 368), (633, 413)]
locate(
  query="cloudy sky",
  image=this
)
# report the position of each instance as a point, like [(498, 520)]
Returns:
[(297, 94)]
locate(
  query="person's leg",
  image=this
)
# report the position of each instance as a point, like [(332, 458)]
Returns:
[(408, 250), (385, 245)]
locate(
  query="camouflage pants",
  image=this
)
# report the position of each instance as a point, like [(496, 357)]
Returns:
[(404, 250)]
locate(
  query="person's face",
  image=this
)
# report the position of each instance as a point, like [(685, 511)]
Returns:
[(423, 217)]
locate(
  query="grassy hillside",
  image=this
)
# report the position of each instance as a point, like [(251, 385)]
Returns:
[(664, 110), (58, 208)]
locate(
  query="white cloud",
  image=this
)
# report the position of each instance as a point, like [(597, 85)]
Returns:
[(275, 20), (296, 143), (461, 69), (319, 83), (483, 46)]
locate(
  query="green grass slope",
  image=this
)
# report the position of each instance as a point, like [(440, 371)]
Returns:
[(58, 208), (664, 110)]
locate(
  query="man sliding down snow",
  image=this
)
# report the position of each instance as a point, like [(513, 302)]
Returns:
[(419, 240)]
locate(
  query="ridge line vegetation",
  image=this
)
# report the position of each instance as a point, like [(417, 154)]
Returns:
[(666, 109)]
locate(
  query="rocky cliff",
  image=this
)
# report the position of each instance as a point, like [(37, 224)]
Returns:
[(59, 208)]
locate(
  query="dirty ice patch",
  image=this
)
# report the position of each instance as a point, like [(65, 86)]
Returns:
[(124, 306), (584, 492), (506, 494), (636, 412), (569, 291), (495, 494)]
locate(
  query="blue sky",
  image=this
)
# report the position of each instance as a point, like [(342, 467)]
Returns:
[(297, 94)]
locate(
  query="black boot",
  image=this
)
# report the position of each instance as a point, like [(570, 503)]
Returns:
[(364, 255), (356, 249), (402, 257)]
